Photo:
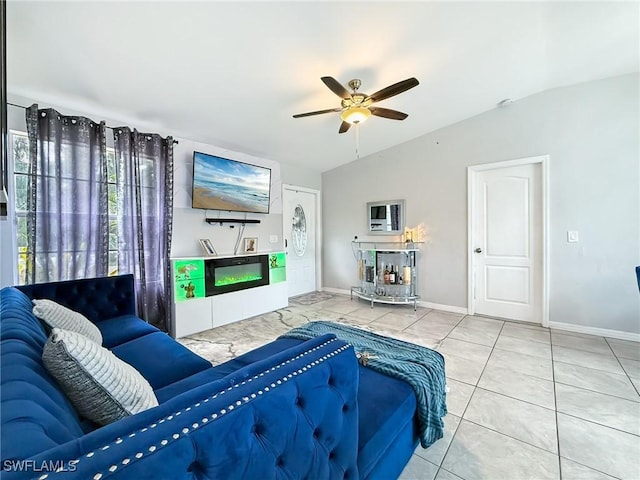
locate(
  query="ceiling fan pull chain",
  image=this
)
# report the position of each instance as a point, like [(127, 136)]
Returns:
[(357, 141)]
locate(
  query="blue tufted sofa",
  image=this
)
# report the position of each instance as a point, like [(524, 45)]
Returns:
[(290, 409)]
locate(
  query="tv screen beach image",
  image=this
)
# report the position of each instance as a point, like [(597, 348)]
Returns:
[(223, 184)]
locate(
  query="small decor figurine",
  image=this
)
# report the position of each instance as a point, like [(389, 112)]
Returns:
[(190, 289), (185, 270), (273, 261), (364, 357)]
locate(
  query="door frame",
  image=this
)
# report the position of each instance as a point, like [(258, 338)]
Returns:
[(318, 225), (472, 172)]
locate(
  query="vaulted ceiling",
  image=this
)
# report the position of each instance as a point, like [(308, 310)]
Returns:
[(232, 74)]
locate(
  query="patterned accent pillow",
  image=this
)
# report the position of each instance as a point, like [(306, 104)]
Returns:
[(101, 387), (57, 316)]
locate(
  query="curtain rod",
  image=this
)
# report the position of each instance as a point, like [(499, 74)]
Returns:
[(110, 128)]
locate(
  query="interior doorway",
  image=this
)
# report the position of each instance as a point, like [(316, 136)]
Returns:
[(507, 250), (301, 233)]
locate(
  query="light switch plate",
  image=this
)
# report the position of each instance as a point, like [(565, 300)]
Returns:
[(572, 236), (273, 238)]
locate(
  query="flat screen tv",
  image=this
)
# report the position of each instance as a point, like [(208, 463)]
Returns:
[(229, 185)]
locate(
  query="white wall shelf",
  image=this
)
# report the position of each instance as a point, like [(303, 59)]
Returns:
[(231, 220)]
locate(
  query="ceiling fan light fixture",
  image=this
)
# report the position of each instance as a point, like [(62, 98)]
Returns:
[(355, 115), (356, 107)]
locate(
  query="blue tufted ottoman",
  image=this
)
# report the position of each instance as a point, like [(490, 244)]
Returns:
[(387, 423)]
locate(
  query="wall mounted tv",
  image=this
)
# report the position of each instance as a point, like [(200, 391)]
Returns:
[(229, 185)]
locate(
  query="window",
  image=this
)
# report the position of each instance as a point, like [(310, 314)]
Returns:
[(19, 143), (20, 149)]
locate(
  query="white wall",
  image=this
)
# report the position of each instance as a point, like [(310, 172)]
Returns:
[(189, 224), (589, 130), (6, 248), (300, 176)]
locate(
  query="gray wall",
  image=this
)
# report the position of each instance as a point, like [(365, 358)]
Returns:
[(300, 176), (589, 130)]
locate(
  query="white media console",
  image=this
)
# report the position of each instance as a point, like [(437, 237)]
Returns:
[(212, 291)]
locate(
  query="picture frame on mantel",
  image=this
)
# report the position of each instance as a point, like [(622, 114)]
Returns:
[(250, 245), (207, 247)]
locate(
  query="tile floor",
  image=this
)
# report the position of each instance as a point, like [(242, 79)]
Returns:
[(525, 402)]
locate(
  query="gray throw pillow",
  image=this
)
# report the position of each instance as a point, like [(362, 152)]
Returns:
[(55, 315), (101, 387)]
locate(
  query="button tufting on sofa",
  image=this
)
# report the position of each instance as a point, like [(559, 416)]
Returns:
[(196, 469), (257, 429)]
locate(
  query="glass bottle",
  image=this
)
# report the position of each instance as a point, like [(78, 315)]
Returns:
[(406, 277)]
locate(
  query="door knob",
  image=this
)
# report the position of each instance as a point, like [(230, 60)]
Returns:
[(478, 250)]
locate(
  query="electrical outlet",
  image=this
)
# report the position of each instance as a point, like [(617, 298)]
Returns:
[(273, 238), (572, 236)]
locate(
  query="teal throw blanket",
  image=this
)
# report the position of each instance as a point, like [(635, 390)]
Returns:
[(420, 367)]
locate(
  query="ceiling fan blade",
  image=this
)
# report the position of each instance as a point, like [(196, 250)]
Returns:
[(344, 126), (319, 112), (388, 113), (394, 89), (336, 87)]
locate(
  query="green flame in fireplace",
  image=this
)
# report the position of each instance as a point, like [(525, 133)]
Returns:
[(233, 279)]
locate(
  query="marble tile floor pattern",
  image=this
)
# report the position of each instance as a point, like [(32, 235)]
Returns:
[(525, 402)]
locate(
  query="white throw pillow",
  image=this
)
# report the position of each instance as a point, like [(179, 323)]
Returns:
[(57, 316), (101, 387)]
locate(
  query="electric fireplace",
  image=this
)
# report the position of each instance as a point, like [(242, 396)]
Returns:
[(223, 275)]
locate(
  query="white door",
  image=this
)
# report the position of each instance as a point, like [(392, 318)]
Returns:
[(506, 242), (299, 222)]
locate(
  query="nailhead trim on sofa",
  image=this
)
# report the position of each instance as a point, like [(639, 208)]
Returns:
[(187, 429)]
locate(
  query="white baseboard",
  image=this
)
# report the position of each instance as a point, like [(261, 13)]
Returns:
[(603, 332), (434, 306), (338, 291), (444, 308)]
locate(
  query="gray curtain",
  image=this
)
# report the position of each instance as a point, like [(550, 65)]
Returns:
[(144, 171), (67, 223)]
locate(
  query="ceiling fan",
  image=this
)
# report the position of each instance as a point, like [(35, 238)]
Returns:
[(357, 107)]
